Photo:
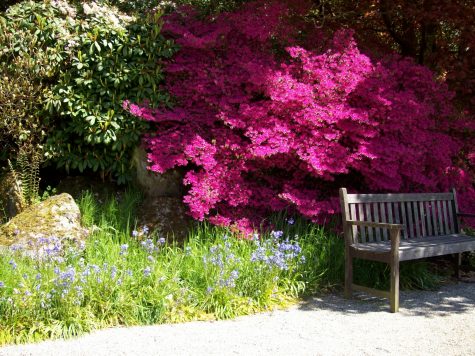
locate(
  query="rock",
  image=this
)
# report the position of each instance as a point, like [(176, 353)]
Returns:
[(56, 220), (167, 216), (11, 201), (154, 184)]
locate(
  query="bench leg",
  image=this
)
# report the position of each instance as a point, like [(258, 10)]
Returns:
[(457, 264), (348, 274), (394, 291)]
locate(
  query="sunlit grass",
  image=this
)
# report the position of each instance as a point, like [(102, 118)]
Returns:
[(126, 276)]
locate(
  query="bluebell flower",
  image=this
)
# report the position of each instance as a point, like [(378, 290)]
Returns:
[(291, 221), (187, 250), (277, 234), (13, 264), (147, 271), (145, 229), (123, 249), (113, 272), (135, 233), (2, 284), (161, 240)]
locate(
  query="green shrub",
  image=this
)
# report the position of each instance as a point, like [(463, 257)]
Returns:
[(25, 68), (90, 58)]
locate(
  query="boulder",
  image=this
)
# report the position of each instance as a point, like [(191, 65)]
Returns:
[(154, 184), (165, 215), (56, 220)]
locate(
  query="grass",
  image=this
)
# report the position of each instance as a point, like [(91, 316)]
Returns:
[(126, 276)]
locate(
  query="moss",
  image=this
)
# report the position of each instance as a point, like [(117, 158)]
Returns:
[(56, 215)]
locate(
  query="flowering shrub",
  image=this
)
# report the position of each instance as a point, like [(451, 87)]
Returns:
[(261, 130), (85, 59)]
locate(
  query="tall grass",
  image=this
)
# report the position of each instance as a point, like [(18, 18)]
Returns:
[(126, 276)]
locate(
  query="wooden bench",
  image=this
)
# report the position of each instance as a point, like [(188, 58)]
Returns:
[(399, 227)]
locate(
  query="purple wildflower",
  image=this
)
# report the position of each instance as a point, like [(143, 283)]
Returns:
[(147, 271)]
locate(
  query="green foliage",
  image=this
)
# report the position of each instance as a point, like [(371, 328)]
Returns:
[(119, 279), (89, 59), (21, 93), (206, 6), (27, 171)]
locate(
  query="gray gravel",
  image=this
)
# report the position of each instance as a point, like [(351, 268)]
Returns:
[(429, 323)]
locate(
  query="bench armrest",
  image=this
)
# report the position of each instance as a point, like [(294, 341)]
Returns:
[(375, 224), (466, 215), (394, 232)]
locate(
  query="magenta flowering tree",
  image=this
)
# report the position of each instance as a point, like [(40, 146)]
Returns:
[(260, 129)]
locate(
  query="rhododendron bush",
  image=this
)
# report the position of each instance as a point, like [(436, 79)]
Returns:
[(263, 127)]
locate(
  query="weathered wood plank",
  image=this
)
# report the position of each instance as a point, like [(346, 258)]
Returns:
[(439, 224), (434, 219), (416, 248), (416, 219), (405, 197), (370, 219), (390, 213), (430, 212), (446, 219), (377, 231), (451, 217), (422, 212), (375, 224), (405, 233), (382, 209), (362, 218), (410, 227), (353, 217)]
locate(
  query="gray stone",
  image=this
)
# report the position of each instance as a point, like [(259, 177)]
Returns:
[(57, 217), (154, 184), (167, 216)]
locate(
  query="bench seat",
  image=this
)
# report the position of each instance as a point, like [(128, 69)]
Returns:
[(412, 249)]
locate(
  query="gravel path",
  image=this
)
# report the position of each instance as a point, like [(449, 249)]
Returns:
[(429, 323)]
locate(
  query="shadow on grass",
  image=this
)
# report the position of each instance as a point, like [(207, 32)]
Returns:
[(449, 299)]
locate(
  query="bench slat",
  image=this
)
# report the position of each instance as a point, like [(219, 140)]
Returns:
[(382, 207), (405, 232), (362, 217), (369, 218), (410, 226), (434, 219), (406, 197), (353, 217), (451, 218), (423, 219), (430, 211), (446, 220), (377, 231), (440, 221), (416, 220)]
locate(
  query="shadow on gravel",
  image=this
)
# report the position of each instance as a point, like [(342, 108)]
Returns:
[(456, 298)]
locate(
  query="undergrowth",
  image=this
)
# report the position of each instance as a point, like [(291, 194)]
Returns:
[(125, 275)]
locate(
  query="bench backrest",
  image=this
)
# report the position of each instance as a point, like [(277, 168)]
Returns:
[(422, 214)]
